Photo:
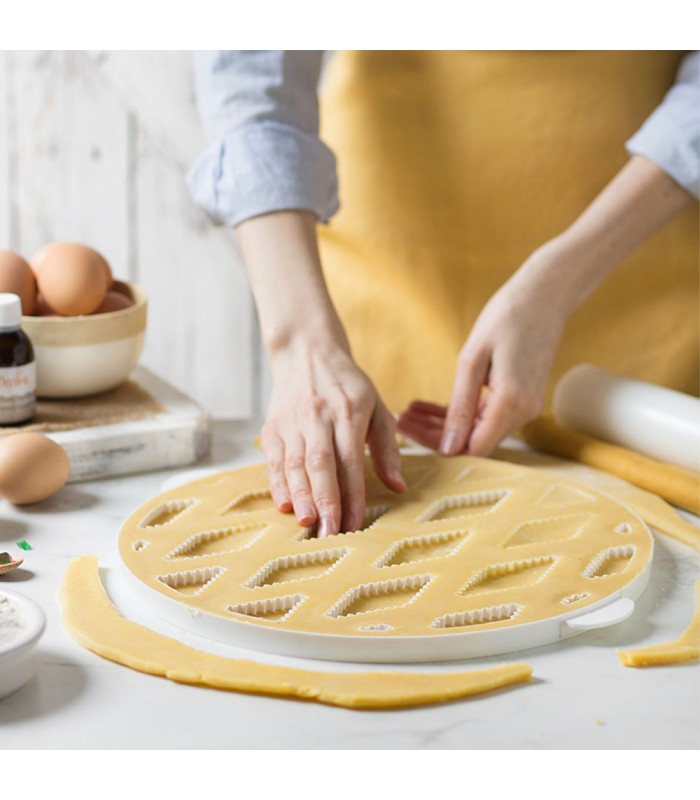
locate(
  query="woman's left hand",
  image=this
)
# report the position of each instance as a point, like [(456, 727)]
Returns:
[(502, 369)]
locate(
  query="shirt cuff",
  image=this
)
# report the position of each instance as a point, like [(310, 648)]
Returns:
[(264, 167), (671, 147)]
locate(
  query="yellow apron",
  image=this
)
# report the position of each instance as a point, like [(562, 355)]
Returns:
[(454, 166)]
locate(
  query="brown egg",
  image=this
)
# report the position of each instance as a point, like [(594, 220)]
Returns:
[(39, 257), (114, 301), (16, 277), (73, 278), (32, 467)]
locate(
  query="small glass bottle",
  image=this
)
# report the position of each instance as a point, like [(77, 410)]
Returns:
[(17, 366)]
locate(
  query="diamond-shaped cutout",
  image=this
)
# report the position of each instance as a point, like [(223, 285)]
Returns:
[(477, 616), (373, 513), (379, 596), (463, 505), (272, 609), (223, 540), (193, 581), (560, 495), (485, 471), (512, 575), (380, 627), (613, 561), (255, 500), (422, 548), (376, 508), (166, 512), (415, 475), (574, 598), (551, 529), (298, 567), (623, 527)]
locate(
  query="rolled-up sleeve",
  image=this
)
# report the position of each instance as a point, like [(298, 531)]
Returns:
[(259, 109), (670, 137)]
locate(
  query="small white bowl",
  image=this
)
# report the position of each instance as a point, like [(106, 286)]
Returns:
[(17, 664), (90, 354)]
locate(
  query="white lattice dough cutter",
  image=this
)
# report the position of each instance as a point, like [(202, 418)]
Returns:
[(374, 645), (406, 649)]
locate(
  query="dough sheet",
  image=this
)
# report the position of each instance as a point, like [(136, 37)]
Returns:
[(474, 544)]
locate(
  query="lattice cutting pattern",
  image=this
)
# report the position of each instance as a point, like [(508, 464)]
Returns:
[(474, 544)]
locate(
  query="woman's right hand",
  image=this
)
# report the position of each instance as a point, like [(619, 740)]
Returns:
[(323, 409)]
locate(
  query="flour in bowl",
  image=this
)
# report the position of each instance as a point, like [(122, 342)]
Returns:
[(11, 622)]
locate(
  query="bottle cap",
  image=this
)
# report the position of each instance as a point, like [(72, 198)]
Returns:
[(10, 311)]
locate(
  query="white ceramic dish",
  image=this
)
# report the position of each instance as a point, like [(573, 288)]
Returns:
[(82, 356), (17, 663)]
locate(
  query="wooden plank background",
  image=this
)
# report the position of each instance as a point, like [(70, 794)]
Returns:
[(94, 147)]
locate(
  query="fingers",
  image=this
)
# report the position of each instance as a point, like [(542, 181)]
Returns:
[(322, 473), (424, 428), (428, 409), (506, 408), (274, 452), (472, 373), (302, 472), (315, 449), (297, 480), (317, 470), (384, 449), (350, 440)]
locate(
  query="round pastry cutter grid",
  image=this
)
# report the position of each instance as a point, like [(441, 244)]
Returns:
[(478, 558)]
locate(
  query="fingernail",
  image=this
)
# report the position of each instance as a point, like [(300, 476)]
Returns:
[(450, 443), (282, 501), (397, 477), (306, 514), (325, 528)]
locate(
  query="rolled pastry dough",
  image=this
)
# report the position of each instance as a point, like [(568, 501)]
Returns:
[(94, 622)]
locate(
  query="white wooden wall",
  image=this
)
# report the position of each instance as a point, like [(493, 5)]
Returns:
[(94, 147)]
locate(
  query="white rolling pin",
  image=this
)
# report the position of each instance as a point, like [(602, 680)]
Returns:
[(656, 422)]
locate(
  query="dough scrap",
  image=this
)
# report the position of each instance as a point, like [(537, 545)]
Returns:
[(93, 621), (685, 648)]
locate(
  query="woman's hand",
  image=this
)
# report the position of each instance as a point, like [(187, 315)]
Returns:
[(501, 373), (504, 365), (322, 411), (323, 408)]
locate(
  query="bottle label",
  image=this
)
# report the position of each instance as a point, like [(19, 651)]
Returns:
[(17, 393)]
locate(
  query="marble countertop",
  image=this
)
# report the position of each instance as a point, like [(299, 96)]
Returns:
[(580, 696)]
